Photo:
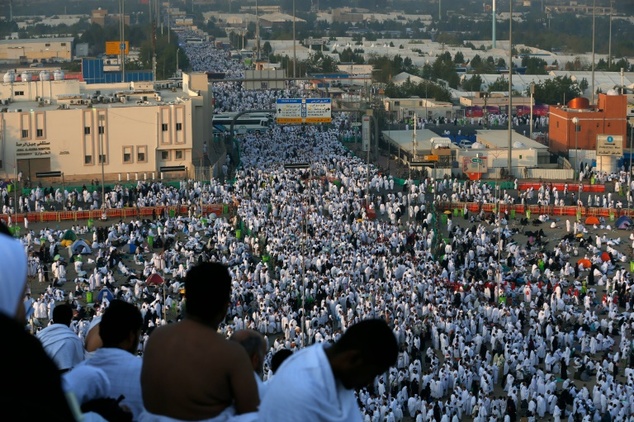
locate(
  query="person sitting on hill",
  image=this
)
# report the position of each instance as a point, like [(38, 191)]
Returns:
[(192, 372), (317, 382), (61, 343)]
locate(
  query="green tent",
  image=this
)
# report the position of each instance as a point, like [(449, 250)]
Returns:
[(69, 235)]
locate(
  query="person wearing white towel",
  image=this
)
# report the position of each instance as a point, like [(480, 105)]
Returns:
[(120, 331), (22, 350), (61, 343), (318, 382)]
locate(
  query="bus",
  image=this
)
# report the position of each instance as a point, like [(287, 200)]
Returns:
[(253, 122)]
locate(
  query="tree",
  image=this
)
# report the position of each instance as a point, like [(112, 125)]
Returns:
[(267, 49), (556, 90), (472, 84), (350, 56), (458, 58), (583, 85), (534, 65), (500, 84)]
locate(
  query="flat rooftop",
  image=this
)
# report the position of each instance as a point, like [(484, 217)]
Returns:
[(500, 139), (403, 139)]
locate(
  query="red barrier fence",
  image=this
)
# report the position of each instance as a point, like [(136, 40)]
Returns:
[(572, 187), (114, 213)]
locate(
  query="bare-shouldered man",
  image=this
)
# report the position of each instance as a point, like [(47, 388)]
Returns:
[(190, 371)]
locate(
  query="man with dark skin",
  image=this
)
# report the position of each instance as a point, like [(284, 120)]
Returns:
[(190, 371)]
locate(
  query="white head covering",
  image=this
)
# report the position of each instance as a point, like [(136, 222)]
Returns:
[(12, 274), (87, 383)]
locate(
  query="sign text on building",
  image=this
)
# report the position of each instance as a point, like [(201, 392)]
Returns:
[(609, 145)]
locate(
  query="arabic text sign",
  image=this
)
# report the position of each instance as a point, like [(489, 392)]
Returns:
[(303, 110), (610, 145), (32, 149)]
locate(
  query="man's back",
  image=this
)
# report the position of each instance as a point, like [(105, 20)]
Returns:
[(191, 372), (62, 345)]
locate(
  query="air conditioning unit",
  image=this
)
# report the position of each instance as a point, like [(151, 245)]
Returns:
[(47, 101)]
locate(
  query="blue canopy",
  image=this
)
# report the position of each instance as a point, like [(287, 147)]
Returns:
[(623, 222)]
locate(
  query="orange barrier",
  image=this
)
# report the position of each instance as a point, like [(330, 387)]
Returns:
[(114, 213), (49, 216), (473, 207), (66, 216), (82, 215), (33, 216), (146, 212), (487, 207), (214, 208)]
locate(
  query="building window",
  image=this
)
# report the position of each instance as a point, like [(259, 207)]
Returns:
[(397, 103), (39, 133), (86, 130), (102, 130), (19, 93), (141, 154), (87, 159), (103, 159), (127, 155), (179, 154), (164, 127), (47, 45), (165, 155), (179, 126), (63, 44), (25, 133)]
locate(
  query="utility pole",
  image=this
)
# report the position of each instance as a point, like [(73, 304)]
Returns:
[(294, 45), (594, 5), (122, 37), (510, 113), (610, 36)]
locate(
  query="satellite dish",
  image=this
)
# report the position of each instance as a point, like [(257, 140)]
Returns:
[(518, 144), (477, 145)]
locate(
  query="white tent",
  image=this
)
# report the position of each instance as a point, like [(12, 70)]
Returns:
[(81, 247)]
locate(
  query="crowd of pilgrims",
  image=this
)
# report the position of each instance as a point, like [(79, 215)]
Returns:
[(489, 328)]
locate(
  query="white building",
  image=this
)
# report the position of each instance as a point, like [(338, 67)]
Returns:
[(120, 129)]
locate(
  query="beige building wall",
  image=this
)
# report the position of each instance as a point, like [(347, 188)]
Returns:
[(135, 139), (36, 49)]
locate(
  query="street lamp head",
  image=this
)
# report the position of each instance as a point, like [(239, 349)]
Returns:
[(575, 120)]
